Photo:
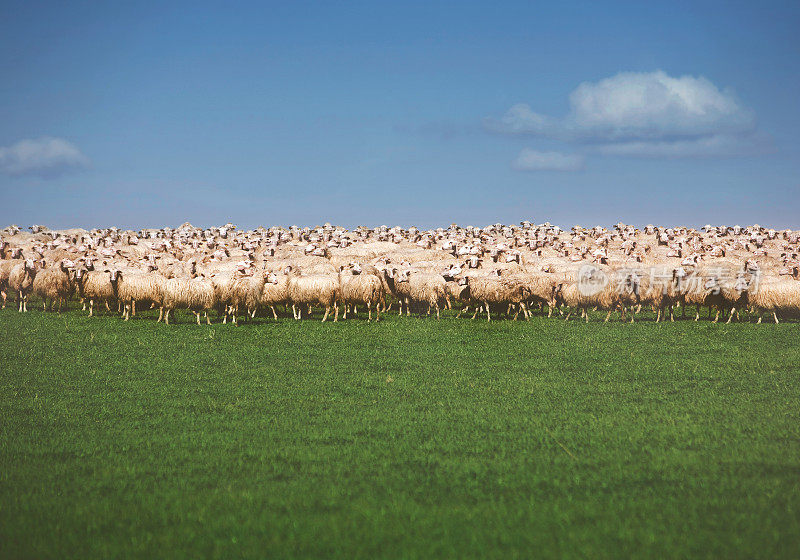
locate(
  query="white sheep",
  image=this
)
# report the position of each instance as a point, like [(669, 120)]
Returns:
[(195, 294), (21, 281), (314, 289), (54, 284), (358, 288), (141, 287)]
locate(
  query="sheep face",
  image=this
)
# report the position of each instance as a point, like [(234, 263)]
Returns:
[(741, 284)]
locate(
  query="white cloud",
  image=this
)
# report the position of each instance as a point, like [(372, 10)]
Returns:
[(520, 119), (648, 113), (46, 157), (720, 145), (634, 105), (655, 105), (533, 160)]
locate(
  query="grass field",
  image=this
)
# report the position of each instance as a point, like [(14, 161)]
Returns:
[(409, 438)]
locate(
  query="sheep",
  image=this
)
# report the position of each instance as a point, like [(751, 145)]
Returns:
[(357, 288), (195, 294), (703, 287), (569, 295), (778, 296), (626, 290), (313, 289), (21, 281), (54, 283), (541, 289), (489, 290), (141, 287), (7, 252), (420, 288), (591, 288), (6, 266), (457, 291), (275, 291), (223, 285), (245, 291), (663, 288), (100, 286)]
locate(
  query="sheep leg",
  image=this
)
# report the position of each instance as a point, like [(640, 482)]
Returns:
[(335, 312), (198, 317), (775, 315), (294, 312), (107, 307), (608, 316), (658, 315), (5, 296), (208, 321), (160, 314), (408, 308), (166, 317), (759, 319), (733, 310), (344, 316), (369, 310), (477, 308), (715, 318), (377, 313), (585, 314), (274, 315), (327, 308), (525, 312), (488, 313), (437, 310), (568, 314), (133, 307)]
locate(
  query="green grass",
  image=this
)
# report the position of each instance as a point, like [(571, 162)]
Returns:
[(409, 438)]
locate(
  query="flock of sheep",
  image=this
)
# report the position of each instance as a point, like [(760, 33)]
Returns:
[(498, 270)]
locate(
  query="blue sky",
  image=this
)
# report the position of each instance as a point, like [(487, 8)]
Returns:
[(399, 113)]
